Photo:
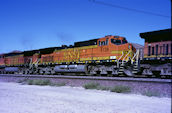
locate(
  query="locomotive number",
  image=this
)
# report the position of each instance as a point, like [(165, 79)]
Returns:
[(104, 49)]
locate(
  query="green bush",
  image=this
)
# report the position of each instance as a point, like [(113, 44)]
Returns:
[(91, 85), (41, 82), (151, 93), (30, 82), (58, 84), (120, 89), (38, 82)]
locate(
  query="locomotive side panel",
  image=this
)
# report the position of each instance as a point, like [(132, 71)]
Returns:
[(158, 50), (48, 58), (14, 60), (104, 50), (86, 54)]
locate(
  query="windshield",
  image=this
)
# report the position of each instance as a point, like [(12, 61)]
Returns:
[(116, 42), (124, 42)]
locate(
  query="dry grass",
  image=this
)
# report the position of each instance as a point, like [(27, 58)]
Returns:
[(150, 93), (91, 85), (40, 82)]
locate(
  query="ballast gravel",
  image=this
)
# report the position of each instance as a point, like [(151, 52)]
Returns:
[(17, 98)]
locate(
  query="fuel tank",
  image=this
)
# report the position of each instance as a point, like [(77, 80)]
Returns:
[(70, 68), (11, 69)]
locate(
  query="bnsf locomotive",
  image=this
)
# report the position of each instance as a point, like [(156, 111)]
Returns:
[(157, 53), (109, 55), (105, 55)]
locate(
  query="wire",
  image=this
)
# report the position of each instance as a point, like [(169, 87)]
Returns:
[(130, 9)]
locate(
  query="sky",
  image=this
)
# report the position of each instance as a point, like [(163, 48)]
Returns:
[(34, 24)]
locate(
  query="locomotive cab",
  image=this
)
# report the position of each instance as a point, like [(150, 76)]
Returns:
[(116, 47), (112, 40), (118, 50)]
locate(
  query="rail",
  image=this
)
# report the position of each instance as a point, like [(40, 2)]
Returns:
[(91, 78)]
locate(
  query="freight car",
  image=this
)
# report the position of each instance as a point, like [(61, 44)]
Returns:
[(157, 53), (110, 55)]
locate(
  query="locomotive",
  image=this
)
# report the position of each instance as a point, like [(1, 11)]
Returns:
[(109, 55), (157, 53)]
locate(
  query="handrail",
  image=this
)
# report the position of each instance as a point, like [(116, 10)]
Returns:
[(30, 64), (137, 58), (126, 56), (36, 62), (30, 61), (137, 53), (119, 59)]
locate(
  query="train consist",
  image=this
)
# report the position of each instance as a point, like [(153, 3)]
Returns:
[(109, 55)]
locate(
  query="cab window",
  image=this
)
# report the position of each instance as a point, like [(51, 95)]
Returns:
[(102, 43)]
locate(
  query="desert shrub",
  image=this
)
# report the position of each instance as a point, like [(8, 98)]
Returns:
[(41, 82), (30, 82), (91, 85), (120, 89), (38, 82), (150, 93)]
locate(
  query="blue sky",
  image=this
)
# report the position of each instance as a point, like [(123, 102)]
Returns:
[(34, 24)]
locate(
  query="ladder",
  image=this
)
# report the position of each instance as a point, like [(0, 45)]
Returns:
[(34, 63), (121, 67), (135, 61)]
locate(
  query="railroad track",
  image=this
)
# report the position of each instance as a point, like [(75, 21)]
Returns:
[(158, 80), (162, 87)]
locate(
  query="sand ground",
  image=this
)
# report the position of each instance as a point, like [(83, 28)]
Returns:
[(17, 98)]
